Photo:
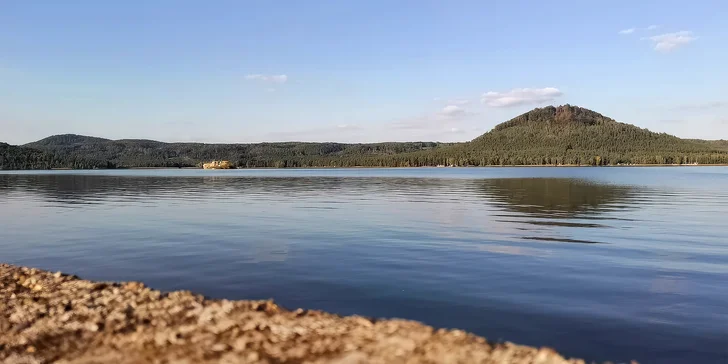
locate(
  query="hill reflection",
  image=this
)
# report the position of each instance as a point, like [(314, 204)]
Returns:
[(557, 197), (551, 198)]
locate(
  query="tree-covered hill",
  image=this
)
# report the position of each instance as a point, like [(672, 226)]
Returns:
[(574, 135), (564, 135), (66, 140), (129, 153)]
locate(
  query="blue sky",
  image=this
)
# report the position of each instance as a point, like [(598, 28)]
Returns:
[(354, 71)]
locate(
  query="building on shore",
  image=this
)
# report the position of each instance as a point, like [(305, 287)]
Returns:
[(217, 165)]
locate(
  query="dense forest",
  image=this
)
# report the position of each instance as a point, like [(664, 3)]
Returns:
[(564, 135), (14, 157)]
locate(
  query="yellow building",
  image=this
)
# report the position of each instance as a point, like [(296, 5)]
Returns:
[(218, 165)]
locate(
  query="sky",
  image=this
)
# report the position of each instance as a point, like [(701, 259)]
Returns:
[(354, 71)]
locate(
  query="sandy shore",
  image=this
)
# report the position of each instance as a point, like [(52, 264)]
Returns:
[(51, 317)]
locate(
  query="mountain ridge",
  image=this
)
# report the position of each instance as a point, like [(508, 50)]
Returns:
[(551, 135), (66, 139)]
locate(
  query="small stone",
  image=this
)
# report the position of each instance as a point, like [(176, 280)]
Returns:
[(219, 347), (134, 286), (57, 274), (30, 349)]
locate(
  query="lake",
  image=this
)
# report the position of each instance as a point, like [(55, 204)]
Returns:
[(600, 263)]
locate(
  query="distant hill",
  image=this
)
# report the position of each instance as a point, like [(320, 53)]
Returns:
[(721, 144), (717, 144), (563, 135), (90, 152), (66, 140), (574, 135)]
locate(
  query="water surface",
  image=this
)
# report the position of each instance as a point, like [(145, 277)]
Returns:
[(601, 263)]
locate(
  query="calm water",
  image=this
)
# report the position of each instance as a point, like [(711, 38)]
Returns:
[(600, 263)]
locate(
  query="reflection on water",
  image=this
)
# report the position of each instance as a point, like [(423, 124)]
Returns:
[(507, 253), (558, 203), (555, 198)]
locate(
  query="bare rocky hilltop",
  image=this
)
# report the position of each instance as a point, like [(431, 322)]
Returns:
[(47, 317)]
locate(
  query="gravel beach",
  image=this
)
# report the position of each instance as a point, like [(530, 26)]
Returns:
[(50, 317)]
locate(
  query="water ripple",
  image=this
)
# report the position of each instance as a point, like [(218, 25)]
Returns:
[(612, 264)]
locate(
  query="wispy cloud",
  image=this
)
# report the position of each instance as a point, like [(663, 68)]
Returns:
[(671, 41), (520, 96), (633, 30), (452, 110), (459, 130), (627, 31), (709, 105), (279, 79), (348, 127), (449, 117)]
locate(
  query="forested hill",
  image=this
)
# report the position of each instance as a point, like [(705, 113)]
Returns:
[(76, 151), (564, 135), (574, 135)]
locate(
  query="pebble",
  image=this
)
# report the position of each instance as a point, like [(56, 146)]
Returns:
[(219, 347)]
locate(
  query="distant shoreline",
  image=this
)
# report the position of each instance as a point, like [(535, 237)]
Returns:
[(367, 167), (567, 136)]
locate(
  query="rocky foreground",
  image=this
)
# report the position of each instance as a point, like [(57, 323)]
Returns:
[(47, 317)]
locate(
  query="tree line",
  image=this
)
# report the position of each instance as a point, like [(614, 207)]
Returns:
[(564, 135)]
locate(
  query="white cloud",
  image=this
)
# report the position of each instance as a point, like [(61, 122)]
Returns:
[(449, 116), (279, 78), (452, 110), (520, 96), (627, 31), (671, 41), (348, 127), (653, 27), (268, 78)]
